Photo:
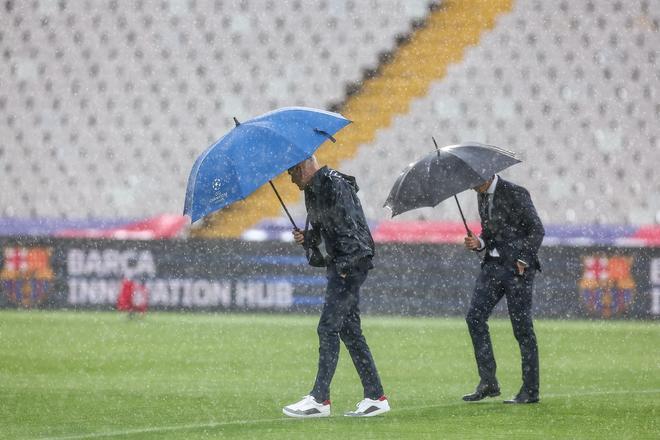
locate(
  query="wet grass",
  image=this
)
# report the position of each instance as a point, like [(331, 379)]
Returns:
[(183, 376)]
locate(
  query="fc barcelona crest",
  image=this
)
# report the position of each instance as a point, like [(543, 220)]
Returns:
[(607, 288), (27, 275)]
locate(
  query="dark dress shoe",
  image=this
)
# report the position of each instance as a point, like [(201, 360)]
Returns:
[(482, 392), (524, 398)]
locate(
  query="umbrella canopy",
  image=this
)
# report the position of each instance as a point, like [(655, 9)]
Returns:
[(253, 153), (446, 172)]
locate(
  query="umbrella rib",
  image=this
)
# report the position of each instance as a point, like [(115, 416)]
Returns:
[(193, 172), (502, 150), (469, 165), (274, 134), (286, 139)]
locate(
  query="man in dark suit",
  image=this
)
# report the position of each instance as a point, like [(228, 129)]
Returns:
[(511, 236)]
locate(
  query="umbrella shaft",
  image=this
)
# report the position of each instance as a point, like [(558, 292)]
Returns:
[(283, 205), (462, 216)]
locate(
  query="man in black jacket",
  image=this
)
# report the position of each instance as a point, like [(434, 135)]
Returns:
[(511, 236), (336, 217)]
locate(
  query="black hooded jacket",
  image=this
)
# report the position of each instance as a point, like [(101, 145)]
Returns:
[(335, 215)]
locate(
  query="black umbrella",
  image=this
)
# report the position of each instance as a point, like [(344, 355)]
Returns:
[(445, 173)]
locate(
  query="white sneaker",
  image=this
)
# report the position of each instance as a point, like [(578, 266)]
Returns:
[(370, 408), (307, 407)]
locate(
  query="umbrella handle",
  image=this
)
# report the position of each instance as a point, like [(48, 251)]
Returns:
[(283, 206)]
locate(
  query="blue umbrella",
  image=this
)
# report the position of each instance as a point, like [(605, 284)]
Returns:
[(253, 153)]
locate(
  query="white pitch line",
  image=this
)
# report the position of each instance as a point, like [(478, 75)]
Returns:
[(284, 419), (164, 429)]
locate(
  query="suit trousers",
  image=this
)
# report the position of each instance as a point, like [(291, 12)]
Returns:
[(494, 282), (340, 319)]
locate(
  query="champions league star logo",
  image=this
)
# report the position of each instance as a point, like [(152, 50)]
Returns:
[(26, 275), (219, 196), (607, 287)]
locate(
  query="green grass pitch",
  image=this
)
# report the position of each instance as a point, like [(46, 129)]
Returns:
[(67, 375)]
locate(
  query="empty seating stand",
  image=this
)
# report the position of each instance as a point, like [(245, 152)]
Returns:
[(572, 86), (105, 105)]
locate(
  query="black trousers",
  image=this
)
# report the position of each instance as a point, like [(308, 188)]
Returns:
[(494, 282), (340, 318)]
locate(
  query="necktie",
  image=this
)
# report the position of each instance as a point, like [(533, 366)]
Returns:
[(486, 205), (482, 206)]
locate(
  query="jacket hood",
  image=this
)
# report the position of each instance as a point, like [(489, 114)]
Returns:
[(328, 173)]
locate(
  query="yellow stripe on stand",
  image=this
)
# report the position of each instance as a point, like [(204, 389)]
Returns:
[(423, 59)]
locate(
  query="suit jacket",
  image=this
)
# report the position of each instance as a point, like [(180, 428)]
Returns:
[(514, 228)]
